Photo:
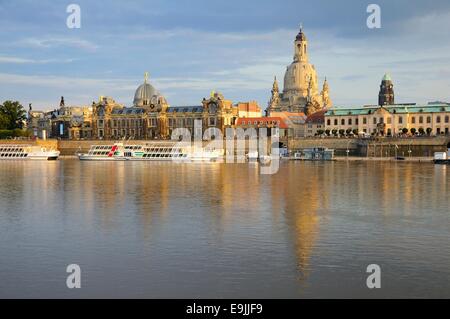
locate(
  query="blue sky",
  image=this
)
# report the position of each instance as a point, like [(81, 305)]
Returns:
[(235, 47)]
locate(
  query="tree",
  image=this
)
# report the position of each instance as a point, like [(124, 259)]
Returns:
[(334, 131), (355, 131), (327, 131), (12, 115), (421, 131), (429, 130), (413, 131), (405, 130), (341, 131)]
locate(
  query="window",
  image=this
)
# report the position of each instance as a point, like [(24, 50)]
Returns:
[(400, 120), (212, 121), (428, 119), (420, 119), (335, 122), (374, 120), (364, 120), (343, 122), (328, 122), (446, 119), (357, 121), (413, 120), (438, 119), (349, 121), (381, 121)]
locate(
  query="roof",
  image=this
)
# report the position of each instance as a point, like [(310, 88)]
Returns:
[(187, 109), (317, 117), (398, 108), (387, 77), (249, 106), (251, 121), (128, 110)]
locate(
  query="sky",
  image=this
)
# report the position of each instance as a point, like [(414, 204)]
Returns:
[(235, 47)]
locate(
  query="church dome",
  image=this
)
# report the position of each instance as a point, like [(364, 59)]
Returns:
[(145, 94), (300, 36), (297, 78)]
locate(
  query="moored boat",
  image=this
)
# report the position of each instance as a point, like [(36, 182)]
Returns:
[(315, 154), (152, 151), (26, 152)]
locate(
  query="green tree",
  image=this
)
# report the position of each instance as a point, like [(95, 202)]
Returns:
[(405, 130), (413, 131), (421, 131), (12, 115), (429, 130)]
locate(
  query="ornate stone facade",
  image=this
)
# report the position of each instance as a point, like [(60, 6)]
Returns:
[(151, 117), (300, 90)]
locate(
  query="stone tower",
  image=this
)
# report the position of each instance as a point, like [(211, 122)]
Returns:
[(386, 94)]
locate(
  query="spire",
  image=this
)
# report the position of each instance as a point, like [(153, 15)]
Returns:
[(61, 103), (275, 84), (146, 77), (300, 36), (325, 85)]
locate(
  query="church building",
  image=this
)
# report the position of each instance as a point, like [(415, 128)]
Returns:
[(300, 90)]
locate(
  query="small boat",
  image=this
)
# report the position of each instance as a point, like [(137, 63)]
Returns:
[(315, 154), (26, 152), (442, 157)]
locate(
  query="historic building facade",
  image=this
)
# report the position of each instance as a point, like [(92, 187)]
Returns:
[(388, 118), (66, 122), (301, 87), (151, 117)]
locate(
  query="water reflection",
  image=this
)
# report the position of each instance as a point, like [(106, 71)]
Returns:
[(221, 230)]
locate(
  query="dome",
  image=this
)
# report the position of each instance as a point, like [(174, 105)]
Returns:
[(297, 77), (145, 94), (387, 77), (300, 36)]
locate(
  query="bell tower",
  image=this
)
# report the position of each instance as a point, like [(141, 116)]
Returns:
[(301, 47), (386, 94)]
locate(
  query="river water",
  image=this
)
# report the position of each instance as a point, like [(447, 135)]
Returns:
[(215, 230)]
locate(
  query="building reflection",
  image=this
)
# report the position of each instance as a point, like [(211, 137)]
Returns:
[(299, 193)]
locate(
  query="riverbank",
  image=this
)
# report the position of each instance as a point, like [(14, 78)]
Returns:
[(384, 159)]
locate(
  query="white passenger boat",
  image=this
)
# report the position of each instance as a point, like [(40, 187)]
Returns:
[(26, 152), (152, 151)]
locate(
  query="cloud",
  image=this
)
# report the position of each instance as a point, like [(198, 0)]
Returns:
[(53, 42), (18, 60)]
